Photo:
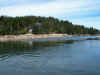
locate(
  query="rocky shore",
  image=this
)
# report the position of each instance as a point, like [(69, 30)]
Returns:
[(30, 36)]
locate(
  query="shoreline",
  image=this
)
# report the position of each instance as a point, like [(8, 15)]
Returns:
[(31, 36), (24, 37)]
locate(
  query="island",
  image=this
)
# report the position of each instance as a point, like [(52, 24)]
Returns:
[(31, 27)]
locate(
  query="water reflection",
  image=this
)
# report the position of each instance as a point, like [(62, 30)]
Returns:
[(50, 58), (12, 48)]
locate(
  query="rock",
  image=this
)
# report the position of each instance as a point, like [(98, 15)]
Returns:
[(97, 38)]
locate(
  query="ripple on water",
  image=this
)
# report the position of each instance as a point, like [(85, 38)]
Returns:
[(50, 58)]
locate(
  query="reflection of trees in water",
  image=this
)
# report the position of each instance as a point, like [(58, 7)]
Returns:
[(17, 48)]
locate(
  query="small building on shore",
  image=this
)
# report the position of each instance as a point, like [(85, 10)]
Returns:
[(30, 31)]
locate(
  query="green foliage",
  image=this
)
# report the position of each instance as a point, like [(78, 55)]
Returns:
[(40, 25)]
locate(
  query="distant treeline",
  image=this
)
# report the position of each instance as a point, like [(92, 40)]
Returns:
[(40, 25)]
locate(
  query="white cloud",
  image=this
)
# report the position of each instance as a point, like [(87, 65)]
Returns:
[(73, 10), (49, 9)]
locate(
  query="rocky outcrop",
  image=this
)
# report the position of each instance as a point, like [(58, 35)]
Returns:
[(97, 38)]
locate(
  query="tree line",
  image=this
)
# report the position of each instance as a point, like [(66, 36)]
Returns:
[(40, 25)]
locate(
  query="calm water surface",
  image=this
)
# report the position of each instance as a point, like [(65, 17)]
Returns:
[(50, 58)]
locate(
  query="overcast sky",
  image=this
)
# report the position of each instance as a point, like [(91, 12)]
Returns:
[(84, 12)]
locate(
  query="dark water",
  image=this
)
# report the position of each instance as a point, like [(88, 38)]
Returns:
[(50, 58)]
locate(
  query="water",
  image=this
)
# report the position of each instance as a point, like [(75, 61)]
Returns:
[(62, 57)]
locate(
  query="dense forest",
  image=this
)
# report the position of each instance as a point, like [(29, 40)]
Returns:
[(40, 25)]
